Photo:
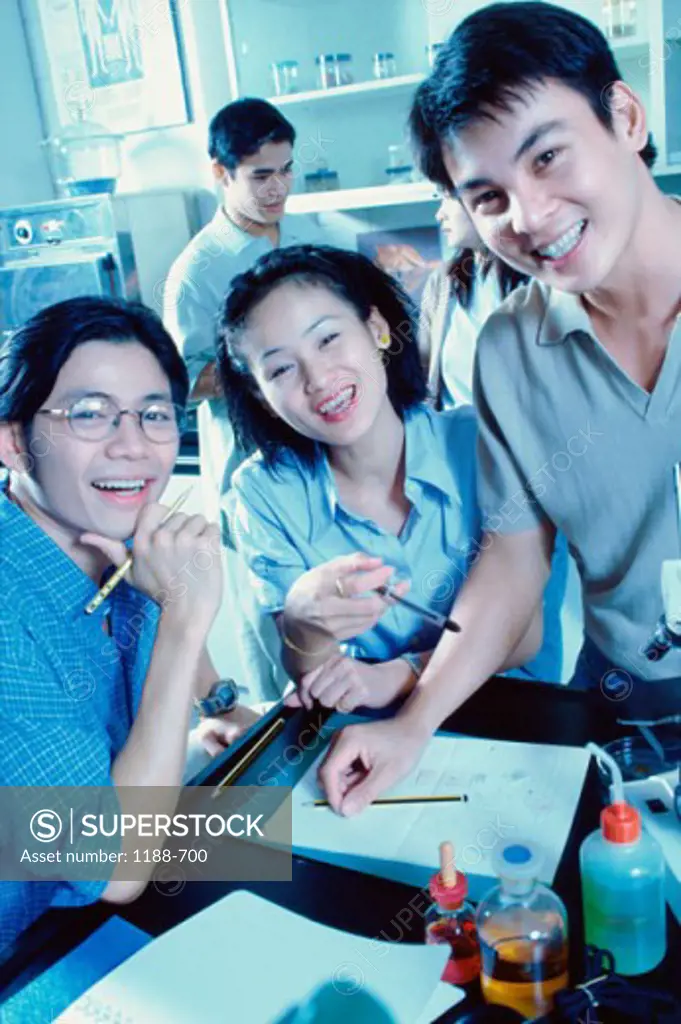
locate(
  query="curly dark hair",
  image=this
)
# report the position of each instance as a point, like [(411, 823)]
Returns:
[(357, 281)]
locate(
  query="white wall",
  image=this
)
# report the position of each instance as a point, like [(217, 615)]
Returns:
[(178, 157), (24, 176)]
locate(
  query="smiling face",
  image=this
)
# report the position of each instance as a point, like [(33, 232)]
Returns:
[(549, 188), (258, 188), (100, 486), (316, 364)]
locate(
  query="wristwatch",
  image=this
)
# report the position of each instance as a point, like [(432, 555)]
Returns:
[(222, 698)]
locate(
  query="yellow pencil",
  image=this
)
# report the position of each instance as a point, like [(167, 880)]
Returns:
[(116, 577), (450, 798), (241, 765)]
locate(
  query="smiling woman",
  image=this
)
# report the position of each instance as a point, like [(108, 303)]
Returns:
[(356, 482), (92, 393)]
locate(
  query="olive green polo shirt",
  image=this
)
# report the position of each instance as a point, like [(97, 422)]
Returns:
[(567, 436)]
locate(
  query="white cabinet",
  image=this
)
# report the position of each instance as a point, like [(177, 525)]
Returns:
[(350, 128), (670, 63)]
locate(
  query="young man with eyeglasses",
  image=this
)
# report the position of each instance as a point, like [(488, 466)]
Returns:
[(92, 396)]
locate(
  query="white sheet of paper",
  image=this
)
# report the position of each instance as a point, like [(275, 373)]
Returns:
[(443, 998), (515, 790), (247, 961)]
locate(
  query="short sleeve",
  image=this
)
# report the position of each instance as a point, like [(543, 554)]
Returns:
[(506, 500), (45, 741), (191, 321), (274, 559)]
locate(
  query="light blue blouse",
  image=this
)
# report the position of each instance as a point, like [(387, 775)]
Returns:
[(289, 519)]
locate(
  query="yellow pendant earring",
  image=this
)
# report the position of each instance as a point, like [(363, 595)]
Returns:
[(384, 341)]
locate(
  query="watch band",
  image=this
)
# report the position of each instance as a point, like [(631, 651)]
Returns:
[(414, 661), (221, 699)]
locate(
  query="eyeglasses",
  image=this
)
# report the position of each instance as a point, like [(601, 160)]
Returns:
[(96, 418)]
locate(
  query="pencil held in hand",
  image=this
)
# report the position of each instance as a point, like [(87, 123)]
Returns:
[(437, 618), (118, 575)]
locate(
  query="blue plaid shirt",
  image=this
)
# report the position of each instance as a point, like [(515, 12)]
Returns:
[(68, 691)]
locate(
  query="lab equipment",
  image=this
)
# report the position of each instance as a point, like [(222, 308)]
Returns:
[(334, 69), (450, 920), (85, 158), (432, 51), (619, 18), (667, 632), (523, 934), (285, 77), (322, 179), (113, 245), (385, 65), (623, 881)]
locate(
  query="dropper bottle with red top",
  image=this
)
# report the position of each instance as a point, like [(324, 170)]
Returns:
[(451, 920)]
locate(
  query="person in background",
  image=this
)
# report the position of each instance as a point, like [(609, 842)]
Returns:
[(92, 396), (251, 149), (320, 369), (578, 375), (458, 299)]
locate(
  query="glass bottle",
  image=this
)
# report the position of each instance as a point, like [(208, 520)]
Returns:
[(609, 18), (451, 920), (522, 930), (327, 68), (385, 65), (285, 77), (344, 69), (432, 51)]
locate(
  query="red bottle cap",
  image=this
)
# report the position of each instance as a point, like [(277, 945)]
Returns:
[(621, 823), (448, 896)]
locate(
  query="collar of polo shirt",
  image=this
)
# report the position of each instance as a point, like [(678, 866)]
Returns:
[(565, 315)]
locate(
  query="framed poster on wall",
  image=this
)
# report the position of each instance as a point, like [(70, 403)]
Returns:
[(409, 254), (116, 62)]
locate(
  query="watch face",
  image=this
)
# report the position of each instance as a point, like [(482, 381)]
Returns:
[(225, 694)]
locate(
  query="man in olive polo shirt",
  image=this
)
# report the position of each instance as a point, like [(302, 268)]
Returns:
[(578, 378)]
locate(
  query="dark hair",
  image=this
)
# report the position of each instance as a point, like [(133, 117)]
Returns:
[(357, 281), (31, 358), (463, 270), (242, 127), (493, 56)]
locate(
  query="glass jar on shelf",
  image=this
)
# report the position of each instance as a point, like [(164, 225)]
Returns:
[(321, 179), (432, 51), (285, 77), (385, 65), (345, 73), (334, 69), (620, 18), (400, 170), (629, 18), (327, 70)]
